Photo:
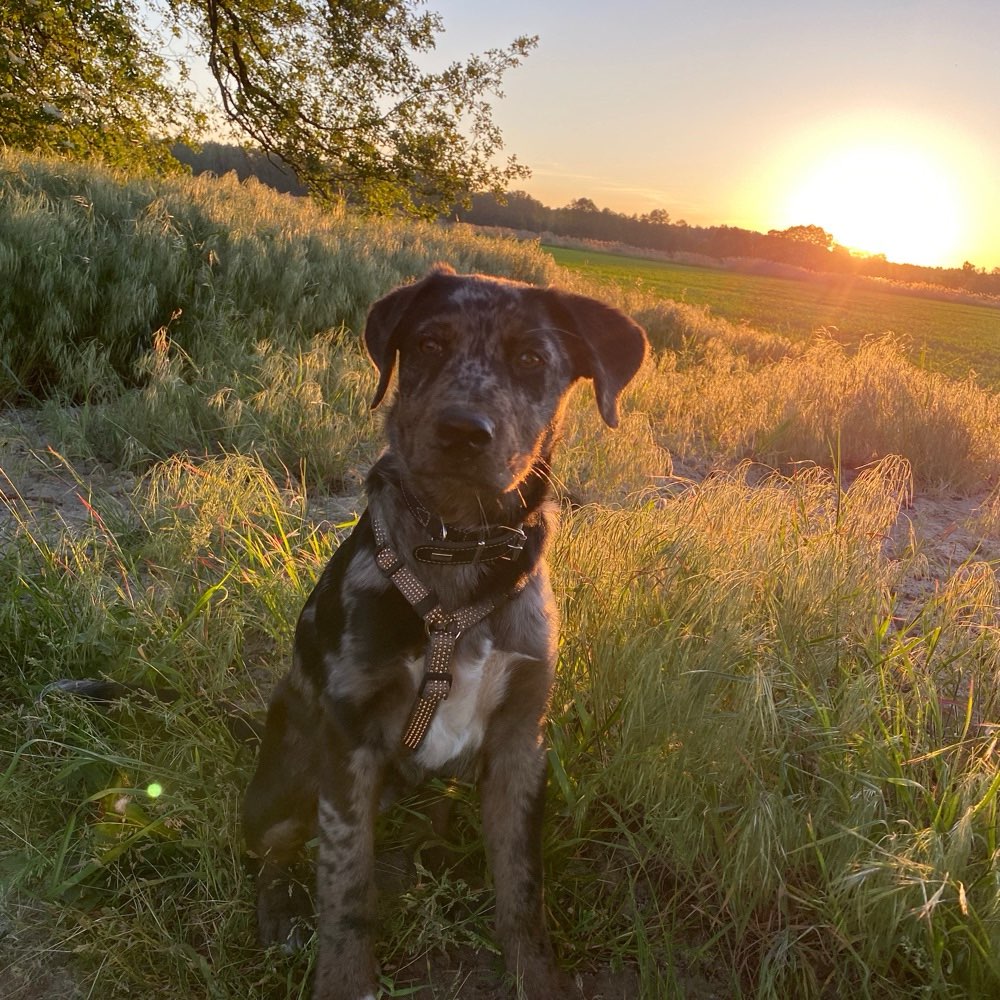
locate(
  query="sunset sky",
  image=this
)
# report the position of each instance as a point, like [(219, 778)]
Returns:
[(878, 120)]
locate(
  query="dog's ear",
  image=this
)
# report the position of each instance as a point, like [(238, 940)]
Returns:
[(607, 346), (383, 323)]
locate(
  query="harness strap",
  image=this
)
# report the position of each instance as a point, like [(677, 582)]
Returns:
[(443, 630)]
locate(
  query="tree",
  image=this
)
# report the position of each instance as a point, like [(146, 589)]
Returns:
[(657, 217), (78, 78), (813, 235), (336, 88), (223, 158)]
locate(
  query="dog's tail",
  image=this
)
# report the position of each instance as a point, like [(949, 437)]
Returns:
[(243, 725)]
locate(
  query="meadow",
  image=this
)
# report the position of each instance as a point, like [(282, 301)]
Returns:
[(773, 763), (952, 337)]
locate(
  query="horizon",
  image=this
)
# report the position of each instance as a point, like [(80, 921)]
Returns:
[(876, 125), (721, 224)]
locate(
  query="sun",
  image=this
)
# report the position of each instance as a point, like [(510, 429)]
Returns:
[(878, 182), (883, 198)]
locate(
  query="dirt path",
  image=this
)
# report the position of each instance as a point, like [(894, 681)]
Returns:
[(937, 535)]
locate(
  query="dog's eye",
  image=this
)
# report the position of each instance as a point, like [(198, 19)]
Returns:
[(528, 360), (431, 345)]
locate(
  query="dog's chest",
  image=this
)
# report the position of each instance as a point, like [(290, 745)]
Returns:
[(479, 683)]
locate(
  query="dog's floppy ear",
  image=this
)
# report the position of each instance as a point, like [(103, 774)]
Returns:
[(383, 323), (608, 346)]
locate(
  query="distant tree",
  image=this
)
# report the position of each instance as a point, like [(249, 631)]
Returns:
[(82, 78), (807, 247), (223, 158), (657, 217), (582, 205), (814, 235)]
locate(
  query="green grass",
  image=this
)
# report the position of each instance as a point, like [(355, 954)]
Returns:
[(946, 336), (95, 267), (742, 740), (770, 777)]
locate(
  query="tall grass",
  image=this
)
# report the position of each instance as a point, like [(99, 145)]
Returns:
[(768, 777), (825, 405), (202, 575), (94, 263), (778, 749), (742, 736), (303, 410), (183, 315)]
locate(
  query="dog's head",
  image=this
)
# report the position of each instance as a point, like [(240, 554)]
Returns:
[(484, 368)]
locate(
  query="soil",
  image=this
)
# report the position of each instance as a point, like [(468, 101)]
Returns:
[(945, 532)]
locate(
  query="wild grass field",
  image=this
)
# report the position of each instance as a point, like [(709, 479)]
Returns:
[(951, 337), (774, 740)]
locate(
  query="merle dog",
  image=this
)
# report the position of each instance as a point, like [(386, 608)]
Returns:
[(428, 645)]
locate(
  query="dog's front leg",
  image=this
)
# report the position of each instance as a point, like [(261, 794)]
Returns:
[(349, 790), (512, 789)]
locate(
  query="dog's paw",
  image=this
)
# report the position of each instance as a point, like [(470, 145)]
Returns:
[(284, 915), (550, 985)]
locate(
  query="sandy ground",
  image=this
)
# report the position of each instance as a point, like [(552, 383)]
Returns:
[(947, 533), (945, 530)]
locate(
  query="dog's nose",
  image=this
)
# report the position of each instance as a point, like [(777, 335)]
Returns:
[(457, 427)]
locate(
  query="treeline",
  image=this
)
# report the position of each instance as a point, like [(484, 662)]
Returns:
[(804, 246)]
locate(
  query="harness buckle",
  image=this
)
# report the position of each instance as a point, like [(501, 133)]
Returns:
[(435, 685), (442, 626), (516, 544)]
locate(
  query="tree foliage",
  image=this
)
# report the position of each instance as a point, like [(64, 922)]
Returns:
[(82, 79), (338, 89), (815, 236)]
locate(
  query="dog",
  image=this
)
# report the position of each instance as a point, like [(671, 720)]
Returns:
[(428, 645)]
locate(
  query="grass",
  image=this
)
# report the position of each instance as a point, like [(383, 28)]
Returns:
[(769, 776), (950, 337), (95, 267)]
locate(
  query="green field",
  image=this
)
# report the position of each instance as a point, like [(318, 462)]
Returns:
[(946, 336)]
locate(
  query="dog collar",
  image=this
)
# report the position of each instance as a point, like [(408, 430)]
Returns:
[(454, 546)]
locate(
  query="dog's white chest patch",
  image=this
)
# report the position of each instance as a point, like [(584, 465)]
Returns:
[(477, 687)]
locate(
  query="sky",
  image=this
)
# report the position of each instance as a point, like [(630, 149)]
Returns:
[(877, 120)]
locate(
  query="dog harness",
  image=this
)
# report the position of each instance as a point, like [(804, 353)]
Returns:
[(443, 629)]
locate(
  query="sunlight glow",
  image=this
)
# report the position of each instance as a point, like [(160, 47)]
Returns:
[(878, 182), (889, 199)]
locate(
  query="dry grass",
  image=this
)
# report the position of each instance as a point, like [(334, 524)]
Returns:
[(826, 406)]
